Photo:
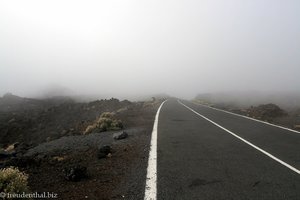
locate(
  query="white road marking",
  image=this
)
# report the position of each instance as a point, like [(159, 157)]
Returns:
[(249, 143), (225, 111), (151, 181)]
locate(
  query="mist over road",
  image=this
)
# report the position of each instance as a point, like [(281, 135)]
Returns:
[(198, 160)]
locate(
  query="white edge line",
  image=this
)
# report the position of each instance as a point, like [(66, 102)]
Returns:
[(288, 129), (249, 143), (151, 180)]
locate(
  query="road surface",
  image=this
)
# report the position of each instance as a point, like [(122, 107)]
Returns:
[(203, 153)]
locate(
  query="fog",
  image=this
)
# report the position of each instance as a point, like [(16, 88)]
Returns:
[(133, 48)]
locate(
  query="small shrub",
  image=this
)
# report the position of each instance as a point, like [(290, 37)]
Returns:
[(117, 125), (107, 115), (106, 122), (103, 127), (12, 180), (90, 128)]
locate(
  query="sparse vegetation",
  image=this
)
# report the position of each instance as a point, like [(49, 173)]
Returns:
[(279, 114), (106, 122), (266, 112), (32, 121), (26, 132), (12, 180)]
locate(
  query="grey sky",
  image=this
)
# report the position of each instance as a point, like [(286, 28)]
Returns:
[(139, 47)]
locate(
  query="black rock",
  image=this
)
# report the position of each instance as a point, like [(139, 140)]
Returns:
[(101, 155), (75, 173), (120, 135), (2, 165), (103, 151), (23, 162), (5, 155)]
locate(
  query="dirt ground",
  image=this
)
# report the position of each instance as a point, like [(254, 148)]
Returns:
[(108, 178), (120, 175)]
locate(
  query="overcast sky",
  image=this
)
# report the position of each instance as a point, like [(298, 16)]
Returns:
[(136, 47)]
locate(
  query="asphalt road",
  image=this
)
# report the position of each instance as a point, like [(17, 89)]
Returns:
[(198, 160)]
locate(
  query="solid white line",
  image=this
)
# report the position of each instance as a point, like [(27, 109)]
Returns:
[(225, 111), (249, 143), (151, 181)]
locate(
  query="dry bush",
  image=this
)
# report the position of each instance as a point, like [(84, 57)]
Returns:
[(90, 128), (106, 122), (107, 115), (12, 180)]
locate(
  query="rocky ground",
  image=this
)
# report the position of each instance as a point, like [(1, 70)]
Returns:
[(48, 141)]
